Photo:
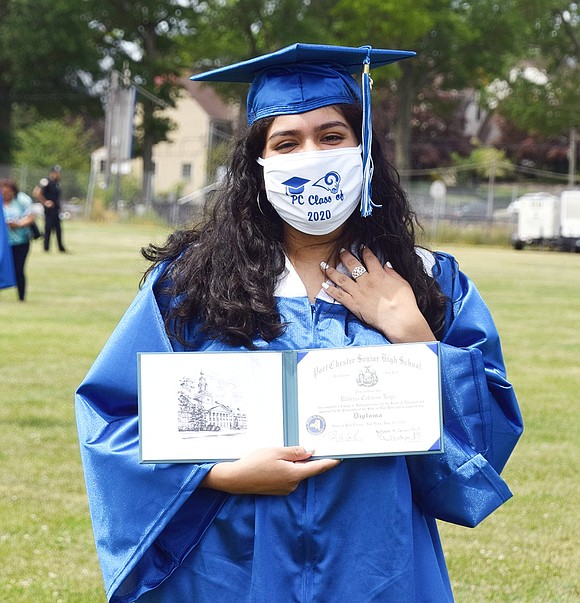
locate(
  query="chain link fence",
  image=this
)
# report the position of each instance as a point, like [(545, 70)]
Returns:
[(462, 198)]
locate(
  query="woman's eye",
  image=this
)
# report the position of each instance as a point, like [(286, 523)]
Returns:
[(330, 138), (284, 146)]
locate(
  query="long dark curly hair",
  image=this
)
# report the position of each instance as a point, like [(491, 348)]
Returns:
[(222, 272)]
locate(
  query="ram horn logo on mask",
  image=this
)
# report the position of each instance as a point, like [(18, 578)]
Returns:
[(330, 182)]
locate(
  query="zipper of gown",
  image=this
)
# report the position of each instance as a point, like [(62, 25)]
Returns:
[(314, 313), (309, 545)]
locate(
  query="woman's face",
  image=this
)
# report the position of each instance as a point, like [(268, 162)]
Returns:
[(318, 130), (7, 193)]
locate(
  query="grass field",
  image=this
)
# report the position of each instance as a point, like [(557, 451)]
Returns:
[(528, 551)]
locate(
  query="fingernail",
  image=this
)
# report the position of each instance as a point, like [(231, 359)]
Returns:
[(324, 266), (325, 285), (342, 249), (388, 265)]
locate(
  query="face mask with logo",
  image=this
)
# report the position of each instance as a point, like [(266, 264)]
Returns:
[(315, 192)]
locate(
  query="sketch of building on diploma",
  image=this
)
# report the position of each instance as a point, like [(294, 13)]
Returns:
[(198, 411)]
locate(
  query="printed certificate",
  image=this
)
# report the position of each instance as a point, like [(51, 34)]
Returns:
[(369, 400), (340, 402)]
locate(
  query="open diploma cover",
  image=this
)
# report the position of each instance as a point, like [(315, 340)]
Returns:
[(339, 402)]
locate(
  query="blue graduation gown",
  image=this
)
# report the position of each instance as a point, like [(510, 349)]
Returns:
[(7, 274), (363, 531)]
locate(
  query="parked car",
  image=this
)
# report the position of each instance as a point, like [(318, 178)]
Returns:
[(475, 211), (69, 210)]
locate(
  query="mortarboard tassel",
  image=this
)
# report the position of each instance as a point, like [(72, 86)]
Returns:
[(366, 205)]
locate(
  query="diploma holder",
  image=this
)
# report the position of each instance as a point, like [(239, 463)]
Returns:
[(340, 402)]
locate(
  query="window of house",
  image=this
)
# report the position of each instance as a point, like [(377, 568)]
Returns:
[(186, 171)]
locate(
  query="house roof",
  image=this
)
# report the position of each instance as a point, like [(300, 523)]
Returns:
[(209, 100)]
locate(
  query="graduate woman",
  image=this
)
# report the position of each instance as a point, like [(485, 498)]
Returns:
[(271, 271)]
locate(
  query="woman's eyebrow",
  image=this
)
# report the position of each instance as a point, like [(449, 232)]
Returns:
[(331, 124), (324, 126), (281, 133)]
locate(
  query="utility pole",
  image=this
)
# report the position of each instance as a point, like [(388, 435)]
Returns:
[(490, 194), (120, 109), (572, 158)]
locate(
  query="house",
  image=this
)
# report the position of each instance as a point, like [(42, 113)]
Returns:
[(203, 120), (480, 124)]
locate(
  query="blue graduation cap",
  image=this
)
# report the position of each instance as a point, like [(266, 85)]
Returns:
[(304, 77)]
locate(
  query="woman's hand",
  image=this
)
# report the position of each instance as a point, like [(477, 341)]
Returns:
[(379, 297), (275, 471)]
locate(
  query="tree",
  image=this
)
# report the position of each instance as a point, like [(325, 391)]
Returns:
[(240, 29), (533, 151), (229, 31), (144, 36), (485, 162), (437, 129), (66, 142), (453, 41), (541, 95), (47, 58)]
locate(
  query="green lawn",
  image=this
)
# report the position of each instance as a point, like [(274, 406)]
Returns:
[(528, 551)]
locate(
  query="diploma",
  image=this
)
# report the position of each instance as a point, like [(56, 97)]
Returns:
[(370, 401), (340, 402)]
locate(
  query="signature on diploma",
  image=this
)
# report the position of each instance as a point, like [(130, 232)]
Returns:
[(344, 436), (410, 435)]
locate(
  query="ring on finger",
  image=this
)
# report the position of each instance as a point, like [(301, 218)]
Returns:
[(358, 271)]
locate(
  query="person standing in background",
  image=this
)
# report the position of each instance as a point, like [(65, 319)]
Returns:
[(18, 215), (49, 195)]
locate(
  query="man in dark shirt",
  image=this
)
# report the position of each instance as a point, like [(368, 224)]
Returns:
[(49, 195)]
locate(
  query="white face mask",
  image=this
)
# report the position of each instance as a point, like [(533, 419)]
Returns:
[(315, 192)]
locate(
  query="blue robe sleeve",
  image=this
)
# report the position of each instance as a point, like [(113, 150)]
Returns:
[(146, 517), (7, 275), (481, 417)]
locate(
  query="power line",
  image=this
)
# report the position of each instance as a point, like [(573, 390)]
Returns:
[(530, 171)]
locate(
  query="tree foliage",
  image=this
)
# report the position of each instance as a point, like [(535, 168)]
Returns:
[(143, 37), (541, 93), (54, 141), (46, 58), (66, 142), (485, 162), (437, 129), (452, 41), (56, 54), (229, 31)]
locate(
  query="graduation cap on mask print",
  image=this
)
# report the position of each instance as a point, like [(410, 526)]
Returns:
[(304, 77), (295, 185)]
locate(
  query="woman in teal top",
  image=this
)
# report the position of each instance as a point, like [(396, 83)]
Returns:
[(18, 215)]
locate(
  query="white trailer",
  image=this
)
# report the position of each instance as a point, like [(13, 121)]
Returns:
[(547, 220), (538, 219), (570, 218)]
